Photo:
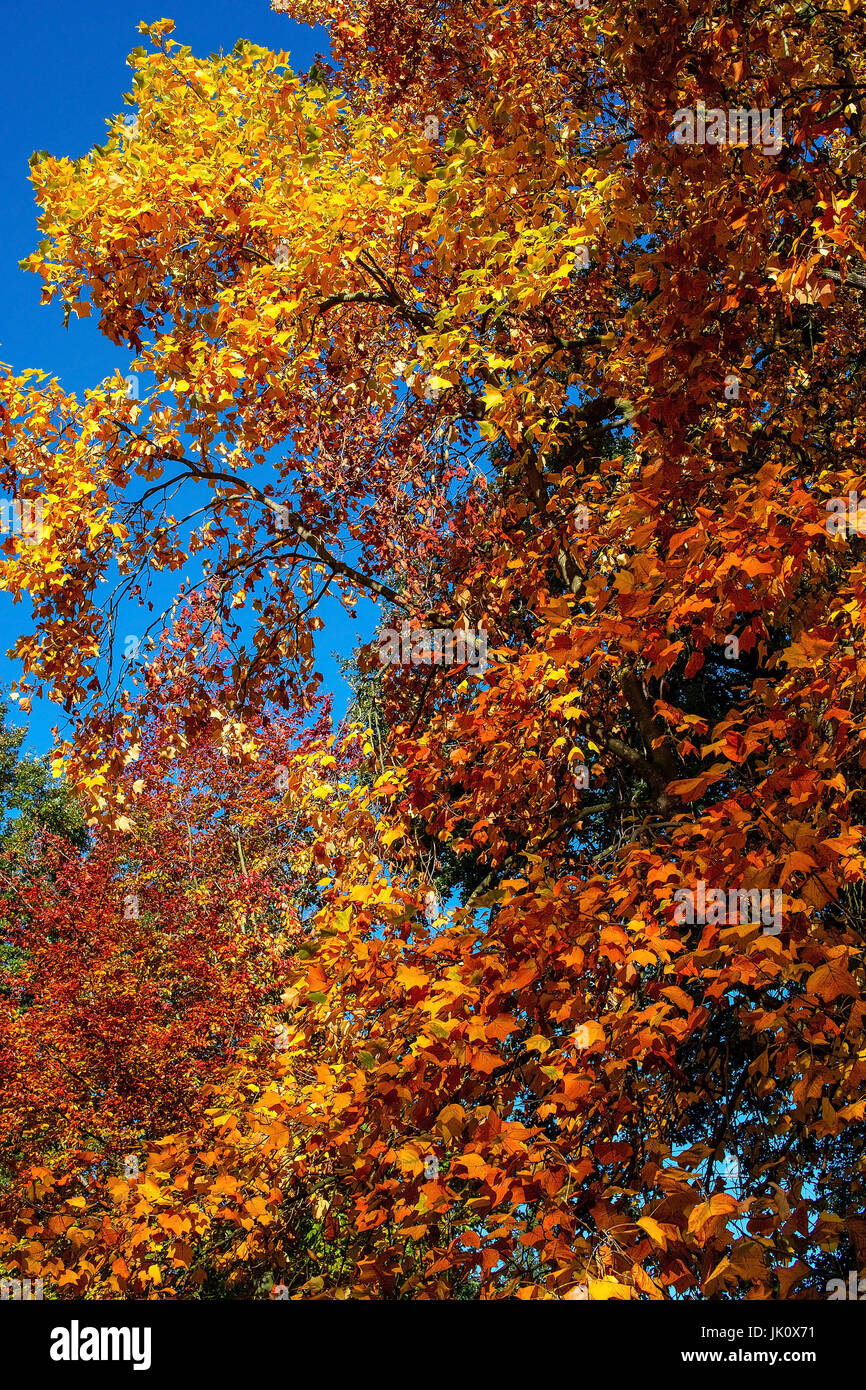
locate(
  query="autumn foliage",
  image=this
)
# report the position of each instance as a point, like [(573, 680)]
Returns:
[(408, 1011)]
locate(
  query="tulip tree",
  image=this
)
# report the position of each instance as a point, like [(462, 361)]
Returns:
[(458, 325)]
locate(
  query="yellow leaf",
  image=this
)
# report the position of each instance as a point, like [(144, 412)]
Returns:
[(654, 1231), (601, 1290), (830, 980), (474, 1165), (451, 1120), (410, 977)]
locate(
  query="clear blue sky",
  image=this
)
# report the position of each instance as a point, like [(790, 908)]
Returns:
[(64, 74)]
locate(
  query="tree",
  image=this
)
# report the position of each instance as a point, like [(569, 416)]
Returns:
[(29, 802), (138, 968), (467, 303)]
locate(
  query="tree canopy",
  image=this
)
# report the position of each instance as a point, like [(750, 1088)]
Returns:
[(457, 323)]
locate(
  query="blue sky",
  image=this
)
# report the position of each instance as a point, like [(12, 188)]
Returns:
[(64, 72)]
